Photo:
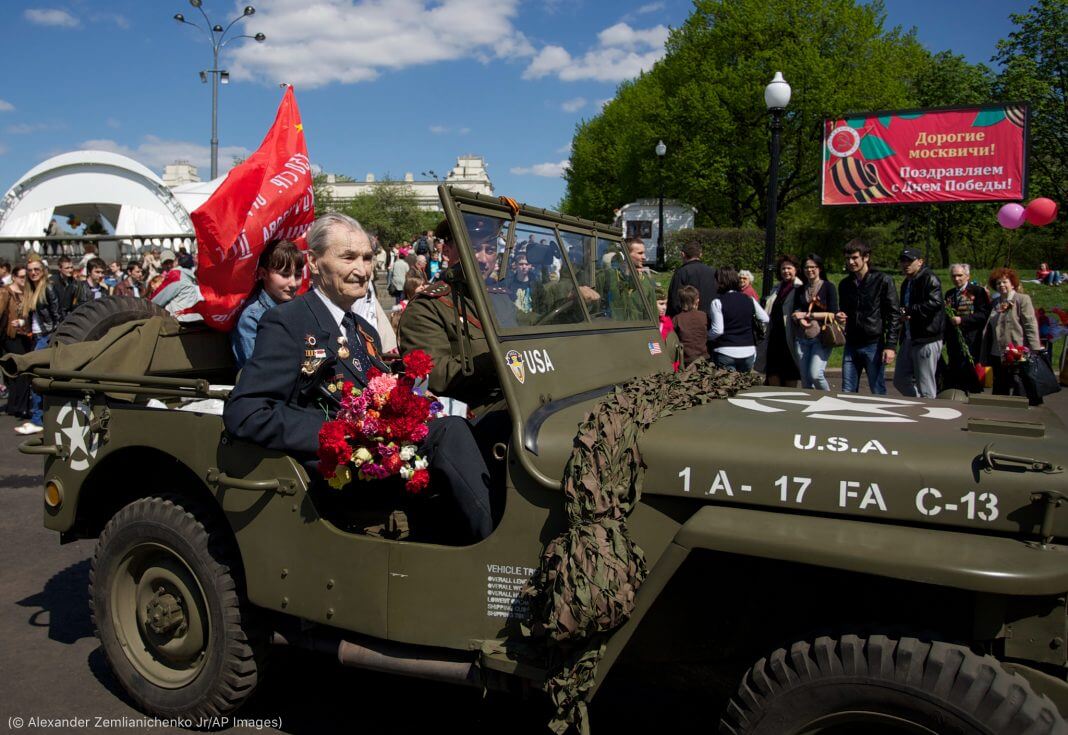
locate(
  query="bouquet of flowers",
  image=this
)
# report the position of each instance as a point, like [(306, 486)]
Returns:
[(377, 429), (1015, 355)]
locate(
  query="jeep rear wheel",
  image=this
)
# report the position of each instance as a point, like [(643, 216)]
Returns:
[(169, 613), (880, 685)]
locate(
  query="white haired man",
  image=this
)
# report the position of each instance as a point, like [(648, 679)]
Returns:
[(299, 346)]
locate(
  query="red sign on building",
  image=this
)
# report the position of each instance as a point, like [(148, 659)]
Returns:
[(974, 154)]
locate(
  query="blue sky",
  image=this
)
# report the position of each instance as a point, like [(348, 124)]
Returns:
[(384, 86)]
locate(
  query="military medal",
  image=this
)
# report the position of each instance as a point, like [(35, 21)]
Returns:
[(343, 347)]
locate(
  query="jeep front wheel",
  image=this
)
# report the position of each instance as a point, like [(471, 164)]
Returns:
[(880, 685), (169, 613)]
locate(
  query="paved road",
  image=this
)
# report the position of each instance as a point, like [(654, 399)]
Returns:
[(52, 667)]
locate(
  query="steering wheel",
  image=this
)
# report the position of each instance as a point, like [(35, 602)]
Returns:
[(550, 316)]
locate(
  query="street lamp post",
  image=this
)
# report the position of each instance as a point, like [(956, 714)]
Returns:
[(661, 149), (776, 97), (217, 38)]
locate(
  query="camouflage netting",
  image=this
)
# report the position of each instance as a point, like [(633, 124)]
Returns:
[(589, 576)]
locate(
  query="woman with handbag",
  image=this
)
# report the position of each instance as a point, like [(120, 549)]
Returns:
[(731, 320), (813, 313), (18, 339), (1012, 322), (781, 364), (41, 311)]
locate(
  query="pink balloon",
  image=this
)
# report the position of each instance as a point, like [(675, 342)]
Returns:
[(1011, 216), (1041, 211)]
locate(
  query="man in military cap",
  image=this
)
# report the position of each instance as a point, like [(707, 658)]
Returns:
[(434, 319), (315, 339)]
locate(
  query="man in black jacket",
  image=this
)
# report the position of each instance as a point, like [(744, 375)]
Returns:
[(869, 311), (694, 273), (65, 285), (923, 316)]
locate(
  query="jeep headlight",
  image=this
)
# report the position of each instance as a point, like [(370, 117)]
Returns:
[(53, 494)]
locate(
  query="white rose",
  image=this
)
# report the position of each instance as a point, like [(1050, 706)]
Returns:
[(407, 452)]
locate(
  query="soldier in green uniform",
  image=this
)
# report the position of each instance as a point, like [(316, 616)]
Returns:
[(431, 322), (625, 301)]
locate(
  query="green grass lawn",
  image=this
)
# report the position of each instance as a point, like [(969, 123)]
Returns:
[(1044, 297)]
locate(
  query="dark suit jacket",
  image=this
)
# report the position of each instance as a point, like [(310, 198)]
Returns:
[(274, 404), (700, 276)]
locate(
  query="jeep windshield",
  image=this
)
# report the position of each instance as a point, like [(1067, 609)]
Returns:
[(544, 275)]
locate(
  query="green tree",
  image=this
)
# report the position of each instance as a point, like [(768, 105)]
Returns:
[(1034, 61), (705, 100), (390, 211), (322, 194)]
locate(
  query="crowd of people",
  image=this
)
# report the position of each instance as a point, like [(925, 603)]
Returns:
[(876, 324), (36, 297), (715, 313)]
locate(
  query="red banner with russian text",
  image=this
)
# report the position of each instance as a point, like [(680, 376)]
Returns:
[(974, 154), (265, 198)]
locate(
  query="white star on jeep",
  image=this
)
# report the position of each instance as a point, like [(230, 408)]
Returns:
[(839, 408), (77, 433), (830, 404)]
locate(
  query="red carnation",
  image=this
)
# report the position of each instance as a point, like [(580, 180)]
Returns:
[(393, 463), (334, 447), (372, 373), (347, 387), (418, 482), (418, 364)]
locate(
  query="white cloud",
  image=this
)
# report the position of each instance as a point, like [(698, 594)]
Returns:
[(622, 52), (155, 152), (623, 35), (6, 106), (117, 18), (50, 17), (649, 8), (27, 128), (573, 105), (549, 170), (312, 43), (445, 130), (564, 148)]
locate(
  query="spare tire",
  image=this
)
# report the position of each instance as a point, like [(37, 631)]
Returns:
[(93, 319)]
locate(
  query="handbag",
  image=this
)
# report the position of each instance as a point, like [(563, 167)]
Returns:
[(831, 333), (760, 330), (1038, 376)]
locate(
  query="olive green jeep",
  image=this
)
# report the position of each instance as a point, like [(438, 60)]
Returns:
[(849, 563)]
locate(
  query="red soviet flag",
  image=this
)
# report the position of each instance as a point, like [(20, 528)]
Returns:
[(267, 197)]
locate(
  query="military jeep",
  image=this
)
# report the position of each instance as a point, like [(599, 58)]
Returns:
[(849, 563)]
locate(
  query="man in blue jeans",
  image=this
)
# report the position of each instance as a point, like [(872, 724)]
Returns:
[(869, 310)]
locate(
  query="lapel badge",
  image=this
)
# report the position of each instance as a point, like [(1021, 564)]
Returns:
[(357, 364), (310, 366), (309, 340)]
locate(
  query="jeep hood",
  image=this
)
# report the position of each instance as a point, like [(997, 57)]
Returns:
[(888, 459)]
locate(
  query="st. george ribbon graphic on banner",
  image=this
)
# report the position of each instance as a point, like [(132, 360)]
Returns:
[(960, 154)]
